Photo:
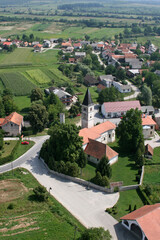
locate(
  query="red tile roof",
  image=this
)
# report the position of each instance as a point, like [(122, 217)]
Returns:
[(101, 86), (100, 45), (1, 121), (7, 43), (121, 106), (98, 150), (66, 44), (96, 131), (148, 218), (87, 133), (77, 44), (38, 45), (13, 117), (148, 121)]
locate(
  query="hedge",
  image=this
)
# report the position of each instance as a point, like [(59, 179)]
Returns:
[(9, 158), (144, 197)]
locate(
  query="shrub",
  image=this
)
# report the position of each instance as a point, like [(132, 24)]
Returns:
[(116, 189), (40, 193), (11, 206)]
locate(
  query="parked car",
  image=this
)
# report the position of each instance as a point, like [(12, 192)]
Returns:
[(25, 143)]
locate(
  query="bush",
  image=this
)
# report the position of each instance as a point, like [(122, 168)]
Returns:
[(11, 206), (116, 189), (40, 193)]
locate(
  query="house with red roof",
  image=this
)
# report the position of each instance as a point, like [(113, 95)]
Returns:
[(12, 124), (38, 47), (103, 132), (148, 125), (144, 222), (118, 109), (77, 45), (7, 44), (96, 150)]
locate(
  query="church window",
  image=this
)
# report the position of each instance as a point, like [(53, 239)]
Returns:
[(84, 109), (90, 109)]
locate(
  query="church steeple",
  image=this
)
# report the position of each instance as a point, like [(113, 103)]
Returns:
[(87, 99), (87, 120)]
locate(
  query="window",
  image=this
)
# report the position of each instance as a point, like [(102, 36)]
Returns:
[(104, 139), (91, 116), (84, 109), (11, 124), (151, 127), (109, 135), (151, 132), (90, 109)]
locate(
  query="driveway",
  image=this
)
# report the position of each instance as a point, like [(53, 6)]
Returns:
[(135, 89), (88, 206), (154, 142)]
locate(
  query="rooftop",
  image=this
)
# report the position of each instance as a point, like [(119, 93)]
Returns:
[(13, 117), (121, 106)]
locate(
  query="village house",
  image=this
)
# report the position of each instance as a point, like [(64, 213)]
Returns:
[(106, 80), (122, 88), (12, 124), (66, 44), (148, 151), (149, 110), (64, 96), (103, 132), (90, 81), (144, 222), (47, 44), (38, 48), (77, 45), (80, 55), (148, 125), (118, 109), (7, 44), (132, 72), (96, 150)]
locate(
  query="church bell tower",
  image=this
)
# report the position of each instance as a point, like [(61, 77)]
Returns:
[(87, 120)]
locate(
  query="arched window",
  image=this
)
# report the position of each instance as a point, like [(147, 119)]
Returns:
[(136, 229)]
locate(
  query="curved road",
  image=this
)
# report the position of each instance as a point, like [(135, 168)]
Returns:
[(88, 206)]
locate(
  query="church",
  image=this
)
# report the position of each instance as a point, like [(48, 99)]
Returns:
[(96, 137)]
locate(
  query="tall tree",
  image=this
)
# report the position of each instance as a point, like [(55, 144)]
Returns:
[(145, 97), (109, 95), (2, 110), (130, 132), (1, 139), (104, 167), (36, 94), (38, 116)]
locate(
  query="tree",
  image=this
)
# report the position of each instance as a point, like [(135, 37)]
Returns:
[(64, 149), (145, 97), (9, 105), (74, 110), (82, 161), (109, 95), (139, 159), (130, 132), (2, 110), (40, 193), (96, 234), (110, 69), (38, 116), (36, 94), (104, 167), (120, 74), (1, 139)]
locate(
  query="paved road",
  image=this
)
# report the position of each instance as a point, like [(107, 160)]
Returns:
[(135, 89), (88, 206), (100, 61), (154, 142)]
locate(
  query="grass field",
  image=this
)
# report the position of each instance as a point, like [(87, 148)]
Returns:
[(22, 149), (152, 174), (17, 83), (23, 103), (7, 148), (125, 169), (31, 219), (131, 197)]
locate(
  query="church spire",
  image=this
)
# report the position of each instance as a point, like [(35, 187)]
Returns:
[(87, 99)]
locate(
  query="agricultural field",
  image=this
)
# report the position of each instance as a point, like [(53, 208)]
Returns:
[(23, 217), (17, 83), (37, 76)]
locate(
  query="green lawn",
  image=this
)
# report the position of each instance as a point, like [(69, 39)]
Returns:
[(125, 169), (126, 198), (7, 148), (156, 155), (88, 172), (30, 219), (23, 103), (151, 174), (22, 149)]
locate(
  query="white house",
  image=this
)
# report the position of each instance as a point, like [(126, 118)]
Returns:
[(122, 88), (148, 125), (96, 150), (118, 109), (104, 132)]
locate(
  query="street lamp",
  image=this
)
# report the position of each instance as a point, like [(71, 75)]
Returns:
[(50, 189)]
